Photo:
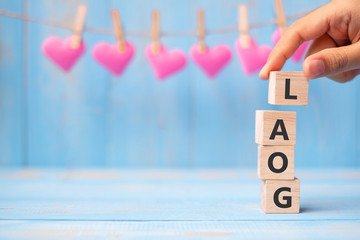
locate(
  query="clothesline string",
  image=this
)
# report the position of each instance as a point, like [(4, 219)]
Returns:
[(147, 34)]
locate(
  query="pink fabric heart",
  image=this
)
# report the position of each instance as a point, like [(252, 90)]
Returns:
[(111, 58), (212, 60), (299, 53), (61, 52), (276, 36), (165, 63), (254, 57)]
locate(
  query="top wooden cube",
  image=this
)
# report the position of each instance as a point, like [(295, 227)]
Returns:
[(288, 88)]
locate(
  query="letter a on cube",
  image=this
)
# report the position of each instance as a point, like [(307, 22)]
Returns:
[(275, 128), (288, 88), (280, 196)]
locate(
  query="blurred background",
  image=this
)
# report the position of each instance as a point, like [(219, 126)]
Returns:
[(89, 118)]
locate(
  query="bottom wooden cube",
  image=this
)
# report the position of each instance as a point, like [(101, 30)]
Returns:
[(280, 196)]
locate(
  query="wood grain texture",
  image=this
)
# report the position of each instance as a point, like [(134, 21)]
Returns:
[(288, 88), (171, 203), (275, 128), (282, 161), (89, 118), (280, 196), (12, 88), (228, 230)]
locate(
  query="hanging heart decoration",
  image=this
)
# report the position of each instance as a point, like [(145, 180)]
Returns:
[(211, 61), (110, 56), (61, 52), (165, 63), (253, 57), (299, 53)]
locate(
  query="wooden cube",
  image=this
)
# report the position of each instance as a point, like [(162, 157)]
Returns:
[(276, 162), (275, 128), (280, 196), (288, 88)]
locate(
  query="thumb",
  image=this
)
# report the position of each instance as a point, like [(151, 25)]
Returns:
[(332, 61)]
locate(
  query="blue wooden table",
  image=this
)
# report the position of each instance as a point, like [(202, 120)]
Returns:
[(171, 204)]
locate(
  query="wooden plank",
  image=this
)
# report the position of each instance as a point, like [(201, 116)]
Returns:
[(67, 111), (12, 88), (325, 139), (149, 121), (91, 118), (103, 120), (179, 230), (222, 107), (169, 195)]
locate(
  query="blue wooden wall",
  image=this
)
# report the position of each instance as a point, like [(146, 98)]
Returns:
[(89, 118)]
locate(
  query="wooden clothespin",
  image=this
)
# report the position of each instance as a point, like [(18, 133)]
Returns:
[(79, 26), (281, 18), (155, 32), (201, 31), (243, 26), (119, 33)]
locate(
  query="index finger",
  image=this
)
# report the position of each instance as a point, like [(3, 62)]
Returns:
[(307, 28)]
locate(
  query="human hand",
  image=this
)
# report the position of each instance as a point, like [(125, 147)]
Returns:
[(335, 49)]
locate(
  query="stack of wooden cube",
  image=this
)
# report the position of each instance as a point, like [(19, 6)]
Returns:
[(275, 134)]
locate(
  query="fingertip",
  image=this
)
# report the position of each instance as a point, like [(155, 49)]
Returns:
[(306, 69), (264, 73), (313, 68)]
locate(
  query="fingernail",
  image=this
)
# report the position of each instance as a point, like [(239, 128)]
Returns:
[(316, 68), (262, 71)]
